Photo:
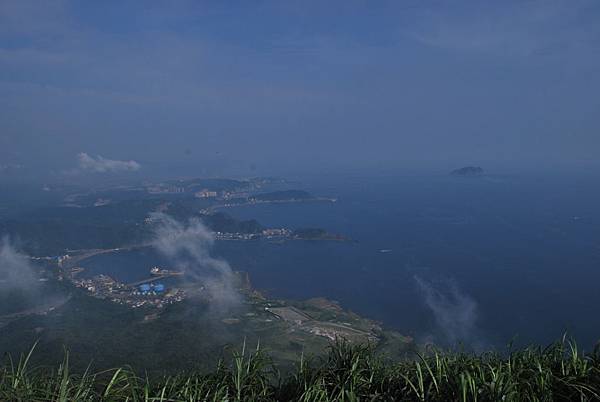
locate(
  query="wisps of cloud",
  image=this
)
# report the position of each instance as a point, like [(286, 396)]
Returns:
[(16, 272), (189, 245), (103, 165), (20, 285), (455, 312)]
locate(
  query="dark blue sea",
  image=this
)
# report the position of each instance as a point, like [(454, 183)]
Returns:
[(481, 261)]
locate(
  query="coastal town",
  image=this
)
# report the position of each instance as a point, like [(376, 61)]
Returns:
[(151, 292), (158, 289)]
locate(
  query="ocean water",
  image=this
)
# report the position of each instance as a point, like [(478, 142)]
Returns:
[(479, 261), (126, 266)]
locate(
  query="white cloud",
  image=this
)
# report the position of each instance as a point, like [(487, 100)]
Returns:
[(15, 270), (188, 246), (454, 311), (103, 165)]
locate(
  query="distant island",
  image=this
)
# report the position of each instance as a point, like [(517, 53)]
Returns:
[(273, 197), (468, 171)]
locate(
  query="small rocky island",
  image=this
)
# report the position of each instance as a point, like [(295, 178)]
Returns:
[(468, 171)]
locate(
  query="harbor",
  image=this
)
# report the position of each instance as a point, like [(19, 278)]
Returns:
[(149, 292)]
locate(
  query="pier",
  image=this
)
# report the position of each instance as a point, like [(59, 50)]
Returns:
[(153, 279)]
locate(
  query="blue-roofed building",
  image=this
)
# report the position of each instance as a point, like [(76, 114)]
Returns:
[(144, 288), (159, 288)]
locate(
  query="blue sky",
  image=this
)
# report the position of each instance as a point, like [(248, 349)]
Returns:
[(280, 86)]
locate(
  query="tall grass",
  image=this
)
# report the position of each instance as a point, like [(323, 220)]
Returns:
[(347, 373)]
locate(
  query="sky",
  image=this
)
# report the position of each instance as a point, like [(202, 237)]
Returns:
[(268, 87)]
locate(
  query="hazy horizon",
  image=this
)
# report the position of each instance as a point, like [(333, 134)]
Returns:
[(271, 88)]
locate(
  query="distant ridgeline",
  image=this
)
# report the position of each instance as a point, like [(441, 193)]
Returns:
[(211, 184), (220, 222), (118, 216), (468, 171), (51, 231)]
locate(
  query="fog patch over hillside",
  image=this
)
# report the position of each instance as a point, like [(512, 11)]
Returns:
[(455, 312), (16, 273), (188, 246)]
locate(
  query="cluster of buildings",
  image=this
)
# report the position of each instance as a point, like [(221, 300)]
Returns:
[(195, 189), (205, 194), (147, 289), (101, 285), (273, 233), (165, 189), (234, 236), (276, 233), (222, 195), (152, 294), (155, 295)]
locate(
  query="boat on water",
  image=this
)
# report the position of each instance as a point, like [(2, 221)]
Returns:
[(158, 271)]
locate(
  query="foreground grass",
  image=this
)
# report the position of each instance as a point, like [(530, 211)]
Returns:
[(347, 373)]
